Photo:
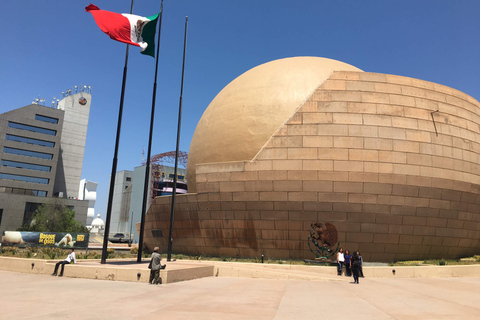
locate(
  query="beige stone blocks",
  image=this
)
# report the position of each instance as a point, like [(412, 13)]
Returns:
[(332, 107), (347, 118), (387, 88), (402, 100), (305, 129), (320, 186), (361, 153), (321, 165), (333, 130), (345, 75), (346, 96), (392, 133), (389, 110), (362, 131), (378, 144), (408, 147), (360, 86), (302, 175), (288, 164), (348, 166), (318, 117), (362, 107), (375, 97), (231, 186), (318, 141), (302, 153), (273, 153), (413, 91), (332, 154), (334, 85), (407, 123), (348, 142)]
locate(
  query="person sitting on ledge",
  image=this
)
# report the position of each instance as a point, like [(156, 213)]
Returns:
[(70, 258)]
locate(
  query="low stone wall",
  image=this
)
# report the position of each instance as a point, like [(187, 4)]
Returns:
[(229, 269), (114, 273), (299, 272)]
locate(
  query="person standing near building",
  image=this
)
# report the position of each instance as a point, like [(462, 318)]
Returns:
[(348, 256), (360, 268), (70, 258), (355, 264), (340, 261), (154, 266)]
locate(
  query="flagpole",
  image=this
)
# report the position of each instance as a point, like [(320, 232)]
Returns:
[(149, 152), (114, 162), (172, 211)]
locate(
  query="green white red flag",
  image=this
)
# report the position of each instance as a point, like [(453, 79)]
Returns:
[(127, 28)]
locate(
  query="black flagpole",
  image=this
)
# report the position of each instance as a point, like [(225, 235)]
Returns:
[(114, 162), (147, 169), (174, 191)]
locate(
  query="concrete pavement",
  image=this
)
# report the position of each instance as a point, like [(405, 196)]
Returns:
[(29, 296)]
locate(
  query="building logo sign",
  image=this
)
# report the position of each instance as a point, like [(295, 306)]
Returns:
[(82, 101), (323, 240)]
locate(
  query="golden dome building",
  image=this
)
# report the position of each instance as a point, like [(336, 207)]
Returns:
[(389, 162)]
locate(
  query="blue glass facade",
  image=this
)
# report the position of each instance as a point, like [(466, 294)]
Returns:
[(11, 137), (31, 128)]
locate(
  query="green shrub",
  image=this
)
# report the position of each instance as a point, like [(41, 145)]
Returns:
[(442, 263), (134, 250)]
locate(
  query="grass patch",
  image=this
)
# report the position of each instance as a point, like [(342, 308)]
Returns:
[(438, 262)]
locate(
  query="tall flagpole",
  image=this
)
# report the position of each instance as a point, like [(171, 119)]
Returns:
[(147, 169), (172, 211), (114, 162)]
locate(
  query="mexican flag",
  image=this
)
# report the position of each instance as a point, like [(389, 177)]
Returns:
[(128, 28)]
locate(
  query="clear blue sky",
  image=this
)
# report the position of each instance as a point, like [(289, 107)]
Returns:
[(54, 45)]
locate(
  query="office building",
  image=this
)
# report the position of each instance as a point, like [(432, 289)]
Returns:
[(41, 154)]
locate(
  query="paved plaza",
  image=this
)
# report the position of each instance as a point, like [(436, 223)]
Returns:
[(30, 296)]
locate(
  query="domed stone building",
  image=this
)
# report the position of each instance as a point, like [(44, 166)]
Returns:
[(390, 162)]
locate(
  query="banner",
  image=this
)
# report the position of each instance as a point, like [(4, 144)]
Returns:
[(45, 239)]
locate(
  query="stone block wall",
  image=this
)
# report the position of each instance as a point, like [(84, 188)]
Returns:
[(391, 161)]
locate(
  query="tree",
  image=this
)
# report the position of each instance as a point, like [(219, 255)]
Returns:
[(54, 216)]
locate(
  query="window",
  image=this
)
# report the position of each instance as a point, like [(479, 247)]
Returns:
[(128, 179), (1, 214), (46, 119), (28, 166), (31, 128), (179, 176), (17, 177), (38, 193), (27, 153), (30, 208), (36, 142)]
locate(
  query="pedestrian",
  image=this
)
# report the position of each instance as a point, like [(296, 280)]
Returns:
[(154, 266), (348, 270), (70, 259), (354, 265), (340, 261), (360, 269)]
